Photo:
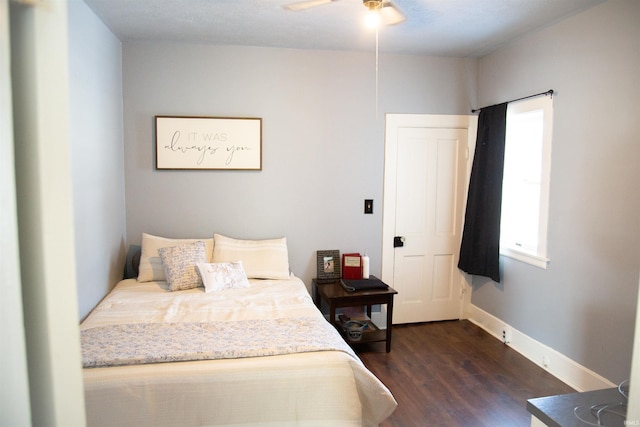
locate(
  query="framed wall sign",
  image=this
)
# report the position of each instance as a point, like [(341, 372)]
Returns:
[(208, 143)]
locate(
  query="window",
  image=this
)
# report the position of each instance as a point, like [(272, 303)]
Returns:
[(525, 186)]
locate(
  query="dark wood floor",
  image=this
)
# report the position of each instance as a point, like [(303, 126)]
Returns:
[(455, 374)]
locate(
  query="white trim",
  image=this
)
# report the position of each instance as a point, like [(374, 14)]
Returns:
[(633, 410), (393, 122), (380, 317), (40, 83), (509, 248), (14, 393), (466, 290), (536, 422), (554, 362), (534, 260)]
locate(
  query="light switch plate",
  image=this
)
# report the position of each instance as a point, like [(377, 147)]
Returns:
[(368, 206)]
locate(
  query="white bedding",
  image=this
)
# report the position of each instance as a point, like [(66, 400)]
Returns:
[(325, 388)]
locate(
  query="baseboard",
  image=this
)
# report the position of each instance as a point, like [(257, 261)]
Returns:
[(556, 363)]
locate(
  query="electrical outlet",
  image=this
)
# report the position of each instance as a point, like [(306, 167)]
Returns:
[(506, 334)]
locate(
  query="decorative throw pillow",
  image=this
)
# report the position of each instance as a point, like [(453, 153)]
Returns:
[(223, 275), (180, 265), (262, 259), (150, 268)]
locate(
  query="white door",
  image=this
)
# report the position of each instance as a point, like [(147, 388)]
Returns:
[(425, 189)]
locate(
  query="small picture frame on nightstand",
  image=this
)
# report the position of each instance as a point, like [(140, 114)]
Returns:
[(329, 269)]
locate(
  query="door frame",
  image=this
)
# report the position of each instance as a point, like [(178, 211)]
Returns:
[(393, 122)]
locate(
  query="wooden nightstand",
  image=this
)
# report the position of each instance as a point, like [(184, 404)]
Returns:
[(336, 297)]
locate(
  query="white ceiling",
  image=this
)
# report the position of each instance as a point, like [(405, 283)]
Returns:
[(463, 28)]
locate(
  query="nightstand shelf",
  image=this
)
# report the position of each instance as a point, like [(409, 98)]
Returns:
[(337, 297), (371, 332)]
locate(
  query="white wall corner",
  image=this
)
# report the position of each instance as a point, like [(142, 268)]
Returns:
[(554, 362)]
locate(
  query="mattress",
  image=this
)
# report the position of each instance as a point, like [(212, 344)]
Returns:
[(315, 388)]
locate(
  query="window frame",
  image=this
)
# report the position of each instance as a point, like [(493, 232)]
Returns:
[(540, 257)]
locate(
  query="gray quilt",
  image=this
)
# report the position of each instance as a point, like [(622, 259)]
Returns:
[(129, 344)]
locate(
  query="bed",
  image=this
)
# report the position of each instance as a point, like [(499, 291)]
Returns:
[(242, 352)]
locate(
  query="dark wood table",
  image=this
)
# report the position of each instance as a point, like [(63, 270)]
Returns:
[(558, 411), (336, 296)]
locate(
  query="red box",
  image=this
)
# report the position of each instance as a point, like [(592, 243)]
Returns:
[(352, 266)]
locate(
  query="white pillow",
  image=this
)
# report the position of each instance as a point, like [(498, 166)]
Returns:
[(150, 265), (223, 275), (180, 265), (262, 259)]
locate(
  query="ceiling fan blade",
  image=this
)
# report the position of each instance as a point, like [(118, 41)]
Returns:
[(390, 14), (306, 4)]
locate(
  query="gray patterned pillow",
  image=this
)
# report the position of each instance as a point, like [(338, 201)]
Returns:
[(179, 265)]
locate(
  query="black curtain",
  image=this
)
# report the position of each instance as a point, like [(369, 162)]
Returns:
[(480, 249)]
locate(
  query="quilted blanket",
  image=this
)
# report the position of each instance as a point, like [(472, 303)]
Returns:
[(142, 343)]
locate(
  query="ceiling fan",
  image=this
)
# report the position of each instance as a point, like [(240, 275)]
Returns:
[(389, 12)]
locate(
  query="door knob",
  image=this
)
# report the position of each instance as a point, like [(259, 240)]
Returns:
[(398, 241)]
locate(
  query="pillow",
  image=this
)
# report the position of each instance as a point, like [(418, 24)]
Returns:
[(180, 265), (150, 268), (261, 259), (223, 275)]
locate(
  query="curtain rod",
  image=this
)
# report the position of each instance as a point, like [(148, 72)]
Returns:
[(549, 92)]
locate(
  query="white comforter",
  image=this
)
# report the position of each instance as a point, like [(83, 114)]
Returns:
[(326, 388)]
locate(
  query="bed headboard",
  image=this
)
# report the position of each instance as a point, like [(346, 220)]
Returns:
[(133, 262)]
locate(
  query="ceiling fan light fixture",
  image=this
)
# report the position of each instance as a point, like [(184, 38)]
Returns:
[(373, 18), (305, 4), (372, 4), (383, 12), (390, 14)]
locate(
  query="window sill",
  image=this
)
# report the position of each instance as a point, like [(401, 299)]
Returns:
[(530, 259)]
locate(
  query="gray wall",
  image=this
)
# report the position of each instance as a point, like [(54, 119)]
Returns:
[(323, 154), (322, 140), (97, 154), (584, 304)]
